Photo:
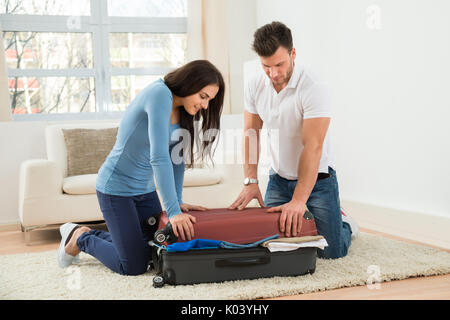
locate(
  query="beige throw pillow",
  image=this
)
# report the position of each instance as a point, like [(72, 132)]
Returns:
[(87, 149)]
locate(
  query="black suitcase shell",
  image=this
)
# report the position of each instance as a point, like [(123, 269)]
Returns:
[(218, 265)]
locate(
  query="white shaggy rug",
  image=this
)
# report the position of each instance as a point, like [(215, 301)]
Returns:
[(371, 260)]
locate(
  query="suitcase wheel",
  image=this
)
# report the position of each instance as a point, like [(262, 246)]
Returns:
[(158, 281), (151, 221), (165, 235), (160, 237)]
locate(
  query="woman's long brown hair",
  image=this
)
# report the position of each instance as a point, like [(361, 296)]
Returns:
[(188, 80)]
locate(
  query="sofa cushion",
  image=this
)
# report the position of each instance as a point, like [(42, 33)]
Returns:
[(85, 184), (82, 184), (201, 177), (87, 149)]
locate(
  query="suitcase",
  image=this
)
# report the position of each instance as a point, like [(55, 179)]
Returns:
[(218, 265), (246, 226)]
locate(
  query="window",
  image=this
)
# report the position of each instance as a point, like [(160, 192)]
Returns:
[(82, 56)]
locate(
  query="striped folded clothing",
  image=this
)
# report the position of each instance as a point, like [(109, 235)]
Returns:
[(288, 244)]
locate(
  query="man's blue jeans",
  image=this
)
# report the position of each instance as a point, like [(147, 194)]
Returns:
[(324, 205), (124, 249)]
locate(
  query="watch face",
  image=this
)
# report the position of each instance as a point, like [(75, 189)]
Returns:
[(246, 181)]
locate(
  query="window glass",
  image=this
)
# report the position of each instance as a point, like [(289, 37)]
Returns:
[(42, 50), (51, 95), (46, 7), (125, 88), (147, 8), (53, 68), (145, 50)]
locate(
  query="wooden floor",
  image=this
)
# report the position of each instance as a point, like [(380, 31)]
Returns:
[(424, 288)]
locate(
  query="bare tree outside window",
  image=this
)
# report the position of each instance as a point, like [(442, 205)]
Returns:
[(149, 8), (54, 72), (33, 50), (46, 7), (39, 50)]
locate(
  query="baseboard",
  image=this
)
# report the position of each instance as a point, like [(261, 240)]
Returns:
[(428, 229)]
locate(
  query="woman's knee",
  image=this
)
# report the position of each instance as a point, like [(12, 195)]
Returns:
[(133, 269)]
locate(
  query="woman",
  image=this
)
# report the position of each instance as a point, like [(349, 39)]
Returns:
[(125, 185)]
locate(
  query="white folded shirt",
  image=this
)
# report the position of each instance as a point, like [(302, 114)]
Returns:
[(285, 246)]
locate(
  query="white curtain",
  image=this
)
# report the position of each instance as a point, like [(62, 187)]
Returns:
[(5, 104), (208, 38)]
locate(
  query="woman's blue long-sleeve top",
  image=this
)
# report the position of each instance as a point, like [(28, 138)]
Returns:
[(142, 152)]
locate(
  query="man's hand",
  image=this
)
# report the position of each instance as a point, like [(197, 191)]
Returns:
[(182, 226), (291, 217), (247, 194)]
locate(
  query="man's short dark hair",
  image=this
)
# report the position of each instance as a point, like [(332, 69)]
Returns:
[(270, 37)]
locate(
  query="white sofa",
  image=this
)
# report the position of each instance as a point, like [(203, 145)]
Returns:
[(47, 197)]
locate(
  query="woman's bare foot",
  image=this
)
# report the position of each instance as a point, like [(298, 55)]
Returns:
[(71, 247)]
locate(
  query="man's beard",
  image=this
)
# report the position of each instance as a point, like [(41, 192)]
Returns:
[(286, 79)]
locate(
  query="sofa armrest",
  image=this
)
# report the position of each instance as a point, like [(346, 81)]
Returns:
[(39, 178)]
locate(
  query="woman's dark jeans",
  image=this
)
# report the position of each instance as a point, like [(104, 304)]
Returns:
[(124, 249)]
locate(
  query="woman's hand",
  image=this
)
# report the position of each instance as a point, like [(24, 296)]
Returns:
[(182, 226), (187, 207)]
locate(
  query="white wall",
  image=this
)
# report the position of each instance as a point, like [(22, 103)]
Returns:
[(391, 93)]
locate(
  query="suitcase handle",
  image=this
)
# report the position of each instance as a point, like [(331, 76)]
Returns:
[(240, 262)]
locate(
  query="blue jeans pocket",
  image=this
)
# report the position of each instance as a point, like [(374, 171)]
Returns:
[(277, 192)]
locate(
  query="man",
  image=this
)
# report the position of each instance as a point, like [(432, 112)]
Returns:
[(290, 100)]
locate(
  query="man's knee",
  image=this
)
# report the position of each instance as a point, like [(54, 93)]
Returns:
[(332, 252)]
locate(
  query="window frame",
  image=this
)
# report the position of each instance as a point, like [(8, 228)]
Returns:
[(100, 25)]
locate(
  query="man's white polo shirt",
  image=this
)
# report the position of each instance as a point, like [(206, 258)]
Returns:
[(304, 97)]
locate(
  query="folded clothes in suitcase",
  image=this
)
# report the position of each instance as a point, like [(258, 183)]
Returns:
[(216, 265), (245, 226)]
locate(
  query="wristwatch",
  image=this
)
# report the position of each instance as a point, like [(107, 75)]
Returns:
[(248, 181)]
